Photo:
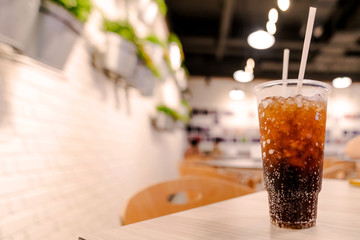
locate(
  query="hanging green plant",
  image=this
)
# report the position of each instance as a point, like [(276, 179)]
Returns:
[(154, 39), (147, 60), (168, 111), (187, 105), (162, 6), (167, 60), (174, 38), (79, 8), (124, 29), (173, 114)]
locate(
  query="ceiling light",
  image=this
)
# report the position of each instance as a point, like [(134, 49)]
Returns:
[(318, 31), (283, 4), (250, 62), (271, 27), (175, 56), (249, 69), (273, 15), (236, 94), (341, 82), (260, 39), (242, 76)]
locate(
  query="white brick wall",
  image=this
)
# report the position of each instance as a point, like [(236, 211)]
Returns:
[(73, 148)]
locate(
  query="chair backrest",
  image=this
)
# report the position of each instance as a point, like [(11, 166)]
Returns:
[(333, 168), (194, 169), (249, 178), (352, 148), (156, 200)]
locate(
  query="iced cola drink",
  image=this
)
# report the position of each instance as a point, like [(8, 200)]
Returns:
[(292, 134)]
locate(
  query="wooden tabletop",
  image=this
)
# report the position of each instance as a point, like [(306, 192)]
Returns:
[(247, 217)]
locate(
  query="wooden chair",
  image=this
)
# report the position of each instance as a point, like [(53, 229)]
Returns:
[(194, 169), (158, 200), (337, 169), (352, 148), (250, 178)]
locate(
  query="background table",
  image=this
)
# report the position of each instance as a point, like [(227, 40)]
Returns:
[(247, 217), (245, 163), (245, 171)]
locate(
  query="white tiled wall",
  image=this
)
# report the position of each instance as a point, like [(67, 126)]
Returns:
[(73, 147)]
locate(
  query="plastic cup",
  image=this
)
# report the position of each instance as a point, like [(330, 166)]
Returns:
[(292, 136)]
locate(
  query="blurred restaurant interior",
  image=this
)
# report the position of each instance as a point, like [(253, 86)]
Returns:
[(101, 99)]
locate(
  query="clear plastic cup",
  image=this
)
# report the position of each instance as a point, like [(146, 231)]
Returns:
[(292, 136)]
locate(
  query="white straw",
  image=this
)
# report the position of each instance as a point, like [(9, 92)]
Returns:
[(306, 46), (285, 65), (285, 70)]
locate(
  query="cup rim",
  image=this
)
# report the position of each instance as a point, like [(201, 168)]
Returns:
[(307, 82)]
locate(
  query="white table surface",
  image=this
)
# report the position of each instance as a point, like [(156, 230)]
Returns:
[(247, 217)]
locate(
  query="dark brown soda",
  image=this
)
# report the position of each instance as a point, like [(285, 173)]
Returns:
[(292, 133)]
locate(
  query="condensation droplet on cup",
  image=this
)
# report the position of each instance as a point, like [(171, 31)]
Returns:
[(317, 116), (268, 141), (264, 143), (271, 151), (264, 154), (265, 104)]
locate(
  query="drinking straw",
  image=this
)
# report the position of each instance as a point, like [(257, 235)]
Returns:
[(285, 70), (306, 46)]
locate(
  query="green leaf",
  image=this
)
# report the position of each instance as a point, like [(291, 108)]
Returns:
[(147, 60), (173, 113), (168, 111), (124, 29), (174, 38), (162, 6), (79, 8), (154, 39)]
